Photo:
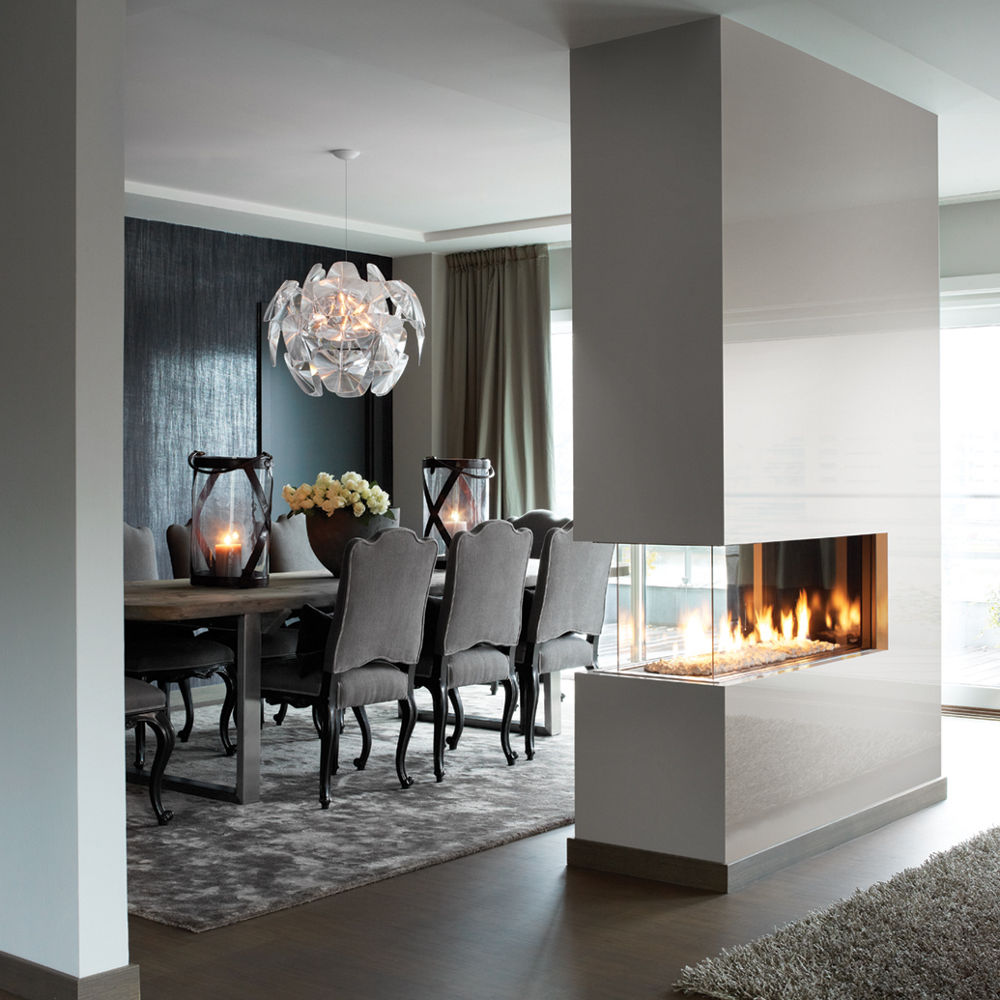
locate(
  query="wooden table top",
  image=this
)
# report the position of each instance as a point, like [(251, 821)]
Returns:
[(177, 600)]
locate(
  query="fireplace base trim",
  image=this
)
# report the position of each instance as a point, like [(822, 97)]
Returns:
[(715, 876)]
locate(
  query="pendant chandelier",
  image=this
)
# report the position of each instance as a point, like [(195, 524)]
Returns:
[(341, 332)]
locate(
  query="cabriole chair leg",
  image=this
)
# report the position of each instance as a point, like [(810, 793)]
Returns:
[(455, 697), (366, 736), (508, 714), (408, 717)]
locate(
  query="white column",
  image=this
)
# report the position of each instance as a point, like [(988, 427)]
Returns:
[(62, 818)]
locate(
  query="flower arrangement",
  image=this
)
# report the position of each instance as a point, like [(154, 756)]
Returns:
[(328, 495)]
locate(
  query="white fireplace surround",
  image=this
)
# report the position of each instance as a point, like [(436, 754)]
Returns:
[(777, 378)]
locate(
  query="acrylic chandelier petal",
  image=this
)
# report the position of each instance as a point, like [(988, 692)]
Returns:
[(343, 333)]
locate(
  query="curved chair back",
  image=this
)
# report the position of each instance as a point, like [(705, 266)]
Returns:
[(572, 587), (139, 551), (484, 587), (179, 547), (381, 600), (539, 522), (290, 548)]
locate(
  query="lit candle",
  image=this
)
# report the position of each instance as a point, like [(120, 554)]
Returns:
[(455, 525), (229, 555)]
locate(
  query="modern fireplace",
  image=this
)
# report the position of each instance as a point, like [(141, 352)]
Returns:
[(720, 613)]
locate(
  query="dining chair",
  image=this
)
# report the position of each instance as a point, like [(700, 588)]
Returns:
[(472, 630), (565, 617), (365, 651), (290, 548), (170, 654), (539, 522), (146, 705)]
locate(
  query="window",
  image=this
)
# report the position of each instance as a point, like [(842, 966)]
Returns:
[(970, 491), (561, 340), (970, 509)]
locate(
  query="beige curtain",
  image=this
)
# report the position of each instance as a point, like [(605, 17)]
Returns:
[(497, 370)]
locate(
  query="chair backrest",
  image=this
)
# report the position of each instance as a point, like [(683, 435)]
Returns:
[(290, 548), (484, 587), (179, 547), (381, 600), (539, 522), (139, 551), (572, 587)]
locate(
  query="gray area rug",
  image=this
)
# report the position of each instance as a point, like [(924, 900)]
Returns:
[(928, 932), (217, 863)]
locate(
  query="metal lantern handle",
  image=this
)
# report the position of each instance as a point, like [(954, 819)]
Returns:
[(456, 470)]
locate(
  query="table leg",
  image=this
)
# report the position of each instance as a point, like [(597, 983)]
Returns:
[(552, 686), (248, 707)]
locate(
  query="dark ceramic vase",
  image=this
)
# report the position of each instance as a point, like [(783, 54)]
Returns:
[(328, 536)]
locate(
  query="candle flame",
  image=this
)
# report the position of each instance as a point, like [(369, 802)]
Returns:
[(230, 538)]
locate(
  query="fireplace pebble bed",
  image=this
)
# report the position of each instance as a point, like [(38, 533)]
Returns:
[(749, 657)]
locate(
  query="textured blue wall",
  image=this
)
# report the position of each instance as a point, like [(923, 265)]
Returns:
[(193, 372)]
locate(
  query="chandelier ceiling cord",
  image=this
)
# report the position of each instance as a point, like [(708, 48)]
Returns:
[(341, 332)]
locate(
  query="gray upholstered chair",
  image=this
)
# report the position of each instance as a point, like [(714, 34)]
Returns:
[(146, 705), (473, 628), (539, 522), (168, 654), (290, 548), (364, 652), (566, 616), (179, 547)]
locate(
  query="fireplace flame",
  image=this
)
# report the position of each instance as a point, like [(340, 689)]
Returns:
[(791, 630), (843, 617)]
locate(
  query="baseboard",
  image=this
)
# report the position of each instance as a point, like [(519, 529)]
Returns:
[(38, 982), (695, 873), (756, 866), (715, 876)]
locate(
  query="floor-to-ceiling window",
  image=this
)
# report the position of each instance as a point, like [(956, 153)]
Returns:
[(970, 491), (561, 333)]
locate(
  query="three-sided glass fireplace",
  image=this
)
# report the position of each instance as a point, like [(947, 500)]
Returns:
[(715, 613)]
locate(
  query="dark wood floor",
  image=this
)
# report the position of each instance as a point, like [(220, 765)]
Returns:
[(516, 923)]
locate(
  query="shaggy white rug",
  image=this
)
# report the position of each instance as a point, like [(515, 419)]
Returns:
[(928, 932)]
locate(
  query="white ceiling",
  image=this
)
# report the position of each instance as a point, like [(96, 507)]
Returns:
[(461, 107)]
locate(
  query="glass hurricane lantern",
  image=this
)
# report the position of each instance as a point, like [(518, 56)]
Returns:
[(230, 520)]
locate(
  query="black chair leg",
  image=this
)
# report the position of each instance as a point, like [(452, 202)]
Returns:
[(509, 688), (408, 717), (279, 716), (455, 697), (140, 746), (366, 736), (439, 699), (529, 684), (225, 716), (184, 686), (329, 750), (164, 731)]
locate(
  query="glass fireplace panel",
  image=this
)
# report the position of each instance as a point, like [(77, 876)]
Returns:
[(717, 612)]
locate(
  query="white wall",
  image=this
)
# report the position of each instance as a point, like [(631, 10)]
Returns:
[(62, 822), (418, 397), (647, 282)]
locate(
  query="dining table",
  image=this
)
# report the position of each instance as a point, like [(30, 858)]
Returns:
[(252, 608)]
